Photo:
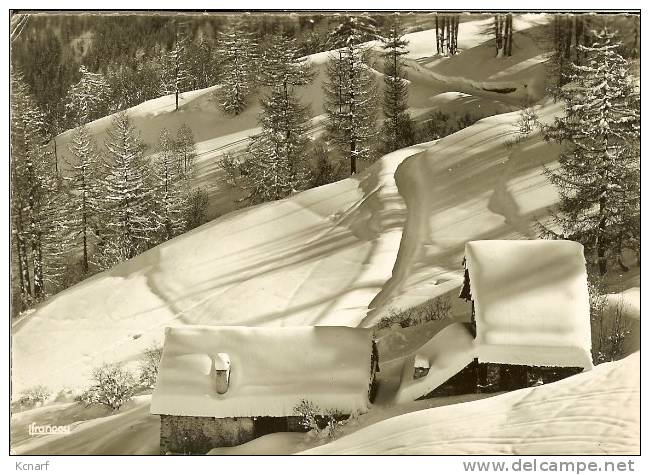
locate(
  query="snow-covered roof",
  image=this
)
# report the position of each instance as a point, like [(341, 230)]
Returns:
[(271, 370), (531, 302)]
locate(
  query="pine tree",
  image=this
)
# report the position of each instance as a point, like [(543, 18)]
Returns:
[(203, 70), (88, 99), (237, 54), (599, 174), (186, 151), (176, 73), (398, 129), (34, 199), (171, 191), (350, 96), (278, 163), (83, 202), (126, 196), (353, 28)]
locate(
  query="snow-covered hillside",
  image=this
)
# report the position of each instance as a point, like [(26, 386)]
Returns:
[(342, 254), (345, 254), (438, 85), (335, 255)]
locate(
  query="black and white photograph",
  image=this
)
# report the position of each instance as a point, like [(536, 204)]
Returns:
[(324, 232)]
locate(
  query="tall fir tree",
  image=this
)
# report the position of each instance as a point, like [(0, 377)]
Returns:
[(398, 128), (350, 96), (126, 196), (278, 163), (237, 53), (34, 196), (171, 192), (186, 151), (176, 69), (83, 202), (203, 70), (88, 99), (599, 174)]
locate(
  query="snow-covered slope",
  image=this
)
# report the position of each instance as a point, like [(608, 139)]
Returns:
[(596, 413), (387, 237), (431, 88)]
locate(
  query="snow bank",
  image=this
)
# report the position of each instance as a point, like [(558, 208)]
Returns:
[(446, 354), (597, 412), (130, 431), (271, 370), (531, 302)]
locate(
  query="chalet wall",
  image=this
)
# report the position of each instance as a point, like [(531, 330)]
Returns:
[(491, 377), (197, 435)]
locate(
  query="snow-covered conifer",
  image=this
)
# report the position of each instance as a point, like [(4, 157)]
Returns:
[(186, 151), (278, 162), (126, 197), (599, 174), (170, 190), (83, 201), (350, 96), (398, 128), (34, 196), (176, 68), (88, 99), (236, 52)]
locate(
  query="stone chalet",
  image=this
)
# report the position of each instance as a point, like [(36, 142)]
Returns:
[(529, 322), (224, 386)]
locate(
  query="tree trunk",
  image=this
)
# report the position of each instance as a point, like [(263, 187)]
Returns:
[(437, 35), (509, 25), (456, 23), (579, 27), (353, 157), (498, 33), (56, 158), (601, 245), (448, 26), (37, 257), (568, 34), (23, 269), (506, 35)]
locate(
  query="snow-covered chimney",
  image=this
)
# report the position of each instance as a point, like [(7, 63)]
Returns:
[(421, 366), (222, 372)]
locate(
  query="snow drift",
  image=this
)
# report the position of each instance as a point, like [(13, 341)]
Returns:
[(596, 413)]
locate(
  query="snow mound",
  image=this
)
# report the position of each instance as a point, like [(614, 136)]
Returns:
[(271, 370), (597, 412), (446, 354)]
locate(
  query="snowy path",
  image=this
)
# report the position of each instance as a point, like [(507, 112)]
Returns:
[(467, 186)]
